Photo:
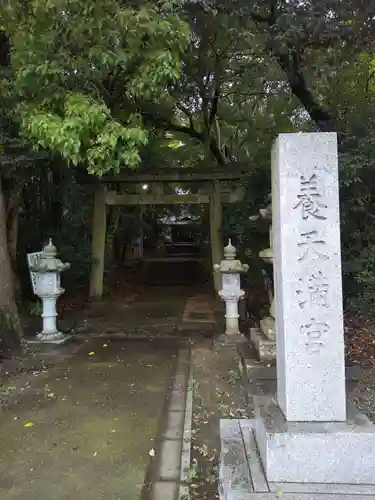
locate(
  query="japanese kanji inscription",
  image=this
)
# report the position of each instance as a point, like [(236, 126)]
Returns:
[(309, 199), (314, 333), (313, 290), (311, 245)]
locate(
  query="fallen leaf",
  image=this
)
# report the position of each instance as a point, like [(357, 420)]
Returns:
[(105, 345), (91, 353), (28, 424)]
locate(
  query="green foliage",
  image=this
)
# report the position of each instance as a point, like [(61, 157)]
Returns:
[(36, 308), (86, 134), (111, 84), (56, 207), (358, 212), (81, 68)]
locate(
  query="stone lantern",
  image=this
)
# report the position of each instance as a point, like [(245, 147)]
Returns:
[(230, 269), (267, 324), (264, 339), (47, 286)]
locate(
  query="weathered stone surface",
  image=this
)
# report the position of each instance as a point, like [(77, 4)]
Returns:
[(262, 489), (307, 269), (62, 339), (267, 325), (324, 489), (314, 452), (265, 348), (301, 496), (234, 475)]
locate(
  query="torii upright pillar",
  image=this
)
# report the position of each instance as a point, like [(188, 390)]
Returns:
[(215, 232), (99, 229)]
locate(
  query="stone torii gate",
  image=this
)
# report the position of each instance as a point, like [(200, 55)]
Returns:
[(214, 190)]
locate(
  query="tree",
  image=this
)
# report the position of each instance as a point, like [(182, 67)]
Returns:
[(71, 74), (13, 156), (10, 328), (231, 75), (80, 68), (294, 33), (123, 83), (220, 73)]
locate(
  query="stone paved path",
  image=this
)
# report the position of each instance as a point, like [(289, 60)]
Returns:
[(84, 429), (168, 312)]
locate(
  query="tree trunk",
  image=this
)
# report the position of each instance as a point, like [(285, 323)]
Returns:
[(12, 215), (10, 325), (57, 209), (322, 117)]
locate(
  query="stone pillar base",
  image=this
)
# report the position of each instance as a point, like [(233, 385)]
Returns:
[(230, 339), (232, 326), (314, 452), (265, 348), (50, 338)]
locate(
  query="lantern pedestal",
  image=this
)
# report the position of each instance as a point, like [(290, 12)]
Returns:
[(49, 315), (231, 310)]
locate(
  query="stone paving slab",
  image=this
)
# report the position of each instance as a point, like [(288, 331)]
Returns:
[(242, 476), (166, 314), (234, 475), (84, 429), (199, 309), (332, 489), (301, 496), (164, 475)]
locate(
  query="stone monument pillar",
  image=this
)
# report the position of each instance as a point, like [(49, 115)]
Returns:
[(307, 434)]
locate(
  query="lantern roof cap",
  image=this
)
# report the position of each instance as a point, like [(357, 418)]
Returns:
[(50, 250), (230, 251)]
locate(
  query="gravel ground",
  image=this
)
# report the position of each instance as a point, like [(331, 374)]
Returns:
[(362, 395), (360, 350), (218, 393)]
